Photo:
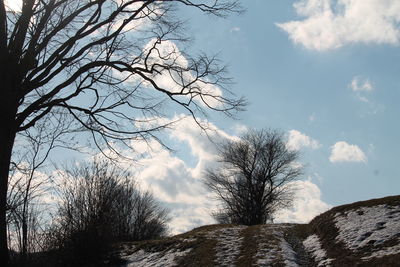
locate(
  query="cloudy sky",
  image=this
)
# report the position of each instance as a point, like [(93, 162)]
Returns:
[(326, 72), (323, 71)]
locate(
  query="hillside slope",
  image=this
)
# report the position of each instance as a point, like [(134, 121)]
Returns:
[(364, 233)]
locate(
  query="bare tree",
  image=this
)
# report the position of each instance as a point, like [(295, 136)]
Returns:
[(27, 185), (108, 64), (23, 211), (101, 204), (252, 179)]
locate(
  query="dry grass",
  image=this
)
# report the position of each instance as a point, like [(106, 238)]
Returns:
[(249, 246), (203, 244)]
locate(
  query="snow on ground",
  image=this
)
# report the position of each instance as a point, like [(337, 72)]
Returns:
[(288, 254), (228, 244), (313, 246), (369, 226), (273, 247), (142, 258)]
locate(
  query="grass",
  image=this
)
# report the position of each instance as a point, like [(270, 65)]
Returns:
[(203, 243), (248, 250)]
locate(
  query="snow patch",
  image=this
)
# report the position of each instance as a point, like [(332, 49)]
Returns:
[(369, 226), (313, 246), (142, 258), (189, 240), (288, 254)]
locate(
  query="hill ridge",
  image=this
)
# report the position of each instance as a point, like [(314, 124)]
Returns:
[(364, 233)]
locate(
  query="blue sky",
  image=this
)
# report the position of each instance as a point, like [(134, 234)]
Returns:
[(329, 72), (292, 86), (326, 72)]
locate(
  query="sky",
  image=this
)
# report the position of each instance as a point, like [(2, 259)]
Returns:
[(325, 72)]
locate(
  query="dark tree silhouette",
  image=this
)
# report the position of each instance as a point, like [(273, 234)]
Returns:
[(109, 65), (27, 185), (252, 179), (101, 204)]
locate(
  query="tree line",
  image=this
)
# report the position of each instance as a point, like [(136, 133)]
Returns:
[(98, 205)]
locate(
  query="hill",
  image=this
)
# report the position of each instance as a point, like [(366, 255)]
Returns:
[(365, 233)]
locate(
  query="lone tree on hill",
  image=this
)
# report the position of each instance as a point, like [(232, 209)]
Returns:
[(106, 65), (253, 176)]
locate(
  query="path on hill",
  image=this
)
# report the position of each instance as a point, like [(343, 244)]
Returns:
[(261, 245), (229, 244), (241, 246), (278, 246), (302, 257)]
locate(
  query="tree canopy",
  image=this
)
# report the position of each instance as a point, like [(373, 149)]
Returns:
[(252, 179)]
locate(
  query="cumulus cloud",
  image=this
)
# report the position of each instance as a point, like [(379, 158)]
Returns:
[(330, 24), (298, 140), (180, 188), (344, 152), (176, 181), (307, 204)]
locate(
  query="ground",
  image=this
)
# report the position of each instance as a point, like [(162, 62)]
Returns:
[(360, 234)]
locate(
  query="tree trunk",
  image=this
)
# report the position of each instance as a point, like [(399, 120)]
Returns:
[(24, 251), (7, 136), (8, 111)]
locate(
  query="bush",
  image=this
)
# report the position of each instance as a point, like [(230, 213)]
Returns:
[(101, 205)]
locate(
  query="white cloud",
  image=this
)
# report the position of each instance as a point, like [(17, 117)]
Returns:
[(173, 181), (359, 84), (330, 24), (178, 185), (176, 180), (240, 129), (344, 152), (180, 80), (361, 87), (15, 5), (298, 140), (307, 204)]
